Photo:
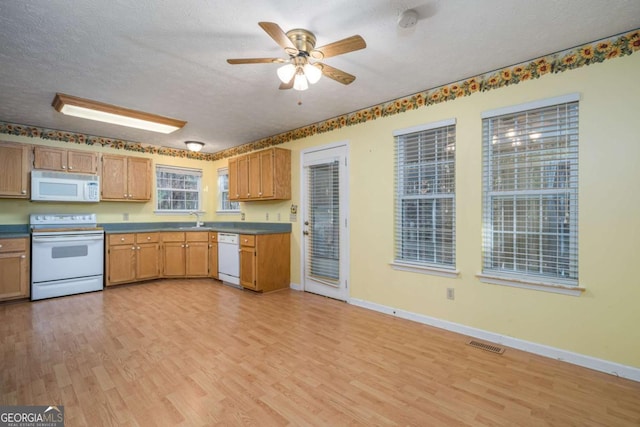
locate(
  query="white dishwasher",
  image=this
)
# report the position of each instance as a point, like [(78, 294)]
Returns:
[(229, 258)]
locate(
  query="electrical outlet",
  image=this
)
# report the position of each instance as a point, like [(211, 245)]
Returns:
[(278, 216), (266, 216), (241, 216), (125, 216), (451, 293)]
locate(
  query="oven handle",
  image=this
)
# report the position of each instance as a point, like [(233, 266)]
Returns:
[(67, 238)]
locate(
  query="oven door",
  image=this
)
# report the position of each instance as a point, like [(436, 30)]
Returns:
[(64, 256)]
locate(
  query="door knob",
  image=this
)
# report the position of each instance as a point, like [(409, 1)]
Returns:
[(305, 232), (306, 223)]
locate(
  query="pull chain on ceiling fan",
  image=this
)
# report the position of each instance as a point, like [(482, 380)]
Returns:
[(299, 44)]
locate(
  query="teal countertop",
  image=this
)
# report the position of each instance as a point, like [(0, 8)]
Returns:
[(225, 227), (14, 231)]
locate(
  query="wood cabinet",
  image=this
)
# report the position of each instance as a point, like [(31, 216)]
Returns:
[(132, 257), (186, 254), (213, 254), (14, 170), (262, 175), (265, 261), (14, 268), (59, 159), (126, 178)]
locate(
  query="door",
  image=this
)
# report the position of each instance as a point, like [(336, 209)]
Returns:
[(324, 221), (66, 256)]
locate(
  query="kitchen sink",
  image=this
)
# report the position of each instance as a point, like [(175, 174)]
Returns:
[(196, 228)]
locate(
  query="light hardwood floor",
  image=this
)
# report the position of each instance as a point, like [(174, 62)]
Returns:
[(195, 352)]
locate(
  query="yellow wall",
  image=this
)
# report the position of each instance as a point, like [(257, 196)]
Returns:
[(602, 323)]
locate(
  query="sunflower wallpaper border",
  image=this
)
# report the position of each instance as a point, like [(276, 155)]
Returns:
[(591, 53)]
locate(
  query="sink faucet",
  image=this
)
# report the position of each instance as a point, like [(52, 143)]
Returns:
[(197, 214)]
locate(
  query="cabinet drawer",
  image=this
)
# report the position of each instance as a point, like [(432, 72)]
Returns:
[(121, 239), (13, 245), (197, 236), (173, 236), (247, 240), (147, 237)]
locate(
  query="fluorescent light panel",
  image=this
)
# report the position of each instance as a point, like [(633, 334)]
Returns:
[(93, 110)]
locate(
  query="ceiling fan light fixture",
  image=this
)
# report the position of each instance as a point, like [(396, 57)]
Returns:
[(286, 72), (106, 113), (194, 146), (312, 73), (300, 81)]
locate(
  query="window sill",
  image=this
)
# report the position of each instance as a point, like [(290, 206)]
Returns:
[(423, 269), (575, 291)]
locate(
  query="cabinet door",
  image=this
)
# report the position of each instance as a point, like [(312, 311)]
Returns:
[(14, 170), (254, 176), (139, 175), (14, 275), (147, 261), (54, 159), (243, 177), (267, 174), (213, 260), (174, 259), (197, 262), (248, 267), (114, 177), (233, 179), (121, 264), (82, 161)]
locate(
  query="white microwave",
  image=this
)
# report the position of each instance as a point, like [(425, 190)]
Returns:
[(51, 186)]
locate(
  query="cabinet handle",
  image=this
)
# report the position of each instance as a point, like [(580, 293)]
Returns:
[(210, 245), (133, 248), (125, 196), (148, 237), (182, 246), (248, 194), (130, 196), (260, 193), (138, 248), (122, 239), (237, 195), (24, 191), (186, 246), (64, 167), (0, 246), (70, 167), (23, 256)]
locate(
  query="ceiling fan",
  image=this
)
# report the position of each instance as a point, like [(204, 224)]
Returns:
[(299, 44)]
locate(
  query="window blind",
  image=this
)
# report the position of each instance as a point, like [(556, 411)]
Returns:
[(323, 254), (425, 196), (530, 187)]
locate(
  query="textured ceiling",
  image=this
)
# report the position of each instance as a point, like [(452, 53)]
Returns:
[(169, 58)]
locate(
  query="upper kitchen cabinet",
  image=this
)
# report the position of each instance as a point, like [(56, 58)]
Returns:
[(14, 170), (126, 178), (262, 175), (58, 159)]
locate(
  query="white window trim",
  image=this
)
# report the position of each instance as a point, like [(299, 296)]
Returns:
[(186, 171), (425, 268), (220, 211), (523, 281), (573, 290)]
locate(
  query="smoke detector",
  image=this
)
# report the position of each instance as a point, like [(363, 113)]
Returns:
[(408, 18)]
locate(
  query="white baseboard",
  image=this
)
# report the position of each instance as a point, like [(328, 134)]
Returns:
[(613, 368), (295, 286)]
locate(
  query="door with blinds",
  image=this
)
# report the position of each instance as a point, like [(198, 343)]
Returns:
[(324, 216)]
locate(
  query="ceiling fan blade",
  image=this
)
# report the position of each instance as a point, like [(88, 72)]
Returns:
[(335, 74), (256, 61), (284, 86), (349, 44), (279, 36)]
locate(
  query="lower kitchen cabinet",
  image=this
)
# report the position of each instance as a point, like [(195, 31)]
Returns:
[(213, 254), (186, 254), (132, 257), (265, 262), (14, 268)]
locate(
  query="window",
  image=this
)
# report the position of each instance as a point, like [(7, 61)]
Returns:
[(224, 204), (425, 196), (178, 189), (530, 206)]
